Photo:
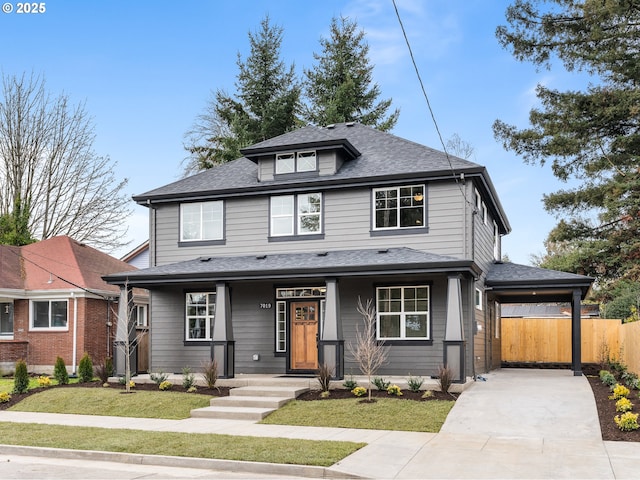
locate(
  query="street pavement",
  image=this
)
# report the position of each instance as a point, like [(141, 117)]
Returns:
[(518, 424)]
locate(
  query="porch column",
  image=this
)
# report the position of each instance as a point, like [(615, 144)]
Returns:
[(222, 344), (454, 344), (576, 336), (331, 341), (125, 339)]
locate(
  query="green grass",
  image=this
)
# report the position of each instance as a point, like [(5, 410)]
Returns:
[(227, 447), (384, 414), (111, 401), (6, 384)]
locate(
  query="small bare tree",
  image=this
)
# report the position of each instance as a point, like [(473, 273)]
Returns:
[(127, 338), (368, 352)]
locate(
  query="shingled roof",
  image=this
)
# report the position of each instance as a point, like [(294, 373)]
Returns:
[(336, 263), (380, 155), (55, 264)]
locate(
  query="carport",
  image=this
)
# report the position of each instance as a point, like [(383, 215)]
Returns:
[(512, 283)]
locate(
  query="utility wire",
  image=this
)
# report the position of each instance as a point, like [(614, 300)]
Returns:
[(426, 97)]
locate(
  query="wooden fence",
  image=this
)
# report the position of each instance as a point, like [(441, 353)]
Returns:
[(548, 340)]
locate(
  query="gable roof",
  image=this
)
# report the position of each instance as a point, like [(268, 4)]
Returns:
[(57, 263), (271, 266), (377, 156)]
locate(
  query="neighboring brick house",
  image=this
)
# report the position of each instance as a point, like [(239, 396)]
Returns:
[(259, 262), (53, 302)]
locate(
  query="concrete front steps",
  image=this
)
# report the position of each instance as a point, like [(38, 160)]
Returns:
[(249, 403)]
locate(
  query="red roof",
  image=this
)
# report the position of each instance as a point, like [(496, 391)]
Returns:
[(57, 263)]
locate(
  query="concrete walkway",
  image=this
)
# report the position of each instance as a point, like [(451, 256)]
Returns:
[(517, 424)]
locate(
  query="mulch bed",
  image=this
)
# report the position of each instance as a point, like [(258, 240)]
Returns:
[(607, 410), (339, 393)]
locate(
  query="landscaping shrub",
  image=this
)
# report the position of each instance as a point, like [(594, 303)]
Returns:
[(414, 383), (188, 379), (324, 377), (159, 377), (210, 373), (104, 370), (624, 405), (445, 378), (85, 369), (630, 379), (607, 378), (394, 390), (627, 422), (60, 372), (166, 385), (359, 391), (21, 378), (350, 383), (381, 384), (4, 397), (44, 381), (619, 391)]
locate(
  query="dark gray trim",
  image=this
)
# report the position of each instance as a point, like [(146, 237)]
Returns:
[(406, 343), (295, 238), (202, 243), (399, 231)]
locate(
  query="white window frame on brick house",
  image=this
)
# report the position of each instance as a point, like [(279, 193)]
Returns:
[(55, 319)]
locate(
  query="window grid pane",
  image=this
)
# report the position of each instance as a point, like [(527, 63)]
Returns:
[(401, 207), (202, 221), (200, 310), (282, 215), (403, 312), (285, 163), (281, 326), (306, 162), (309, 213)]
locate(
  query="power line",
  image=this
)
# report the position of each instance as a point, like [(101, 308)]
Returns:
[(426, 97)]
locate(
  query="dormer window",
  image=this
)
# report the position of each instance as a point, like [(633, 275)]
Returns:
[(296, 162)]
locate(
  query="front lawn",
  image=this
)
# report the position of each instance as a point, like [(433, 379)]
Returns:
[(383, 414), (113, 401), (196, 445)]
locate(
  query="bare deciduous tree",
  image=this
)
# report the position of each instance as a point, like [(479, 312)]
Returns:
[(49, 173), (459, 147), (127, 338), (368, 352)]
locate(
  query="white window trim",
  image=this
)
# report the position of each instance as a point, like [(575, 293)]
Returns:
[(281, 326), (478, 299), (403, 315), (295, 156), (49, 328), (496, 242), (201, 239), (208, 318), (141, 313), (398, 227), (295, 216)]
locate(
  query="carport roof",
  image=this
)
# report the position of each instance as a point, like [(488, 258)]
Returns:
[(296, 265), (511, 282)]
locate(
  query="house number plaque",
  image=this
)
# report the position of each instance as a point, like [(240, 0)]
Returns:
[(266, 306)]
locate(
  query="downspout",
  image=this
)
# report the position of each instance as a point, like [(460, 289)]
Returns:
[(75, 331)]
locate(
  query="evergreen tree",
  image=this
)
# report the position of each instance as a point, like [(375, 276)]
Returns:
[(60, 372), (85, 369), (591, 135), (266, 104), (339, 88), (21, 378)]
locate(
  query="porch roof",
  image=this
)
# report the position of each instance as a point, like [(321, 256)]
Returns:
[(296, 265), (514, 283)]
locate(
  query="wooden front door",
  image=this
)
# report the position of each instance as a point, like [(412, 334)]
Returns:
[(304, 332)]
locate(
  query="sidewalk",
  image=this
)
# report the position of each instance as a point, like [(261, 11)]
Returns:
[(517, 424)]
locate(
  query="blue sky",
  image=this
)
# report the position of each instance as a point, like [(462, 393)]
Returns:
[(147, 68)]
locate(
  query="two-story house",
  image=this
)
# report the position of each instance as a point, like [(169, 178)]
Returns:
[(260, 262)]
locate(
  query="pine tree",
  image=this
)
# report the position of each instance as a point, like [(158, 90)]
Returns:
[(266, 104), (591, 135), (339, 87), (85, 369), (60, 372), (21, 378)]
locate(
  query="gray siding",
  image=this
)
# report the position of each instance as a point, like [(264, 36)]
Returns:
[(347, 224)]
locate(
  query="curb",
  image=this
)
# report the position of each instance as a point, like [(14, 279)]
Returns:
[(183, 462)]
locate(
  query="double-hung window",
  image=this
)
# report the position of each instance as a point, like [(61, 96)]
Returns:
[(200, 314), (296, 214), (49, 315), (296, 162), (403, 313), (201, 221), (399, 207)]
